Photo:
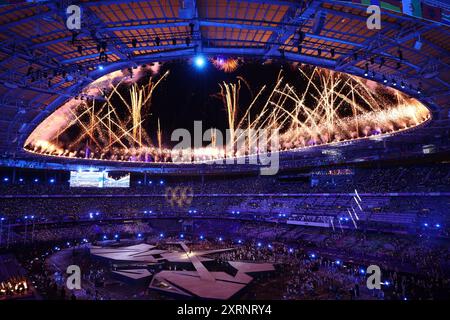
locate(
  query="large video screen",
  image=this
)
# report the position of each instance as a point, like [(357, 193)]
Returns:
[(99, 180)]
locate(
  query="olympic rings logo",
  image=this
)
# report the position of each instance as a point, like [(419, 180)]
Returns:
[(180, 196)]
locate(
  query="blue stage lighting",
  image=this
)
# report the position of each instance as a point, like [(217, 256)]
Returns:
[(100, 67), (199, 61)]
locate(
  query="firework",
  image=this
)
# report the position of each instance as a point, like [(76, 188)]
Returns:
[(225, 64), (334, 107)]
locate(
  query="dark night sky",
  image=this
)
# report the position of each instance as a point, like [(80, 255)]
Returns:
[(190, 94)]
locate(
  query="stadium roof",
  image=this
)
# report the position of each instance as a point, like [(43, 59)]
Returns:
[(43, 63)]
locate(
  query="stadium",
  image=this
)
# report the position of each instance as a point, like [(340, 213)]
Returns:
[(225, 150)]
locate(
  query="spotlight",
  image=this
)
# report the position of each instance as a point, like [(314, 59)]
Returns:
[(384, 79), (418, 44), (394, 83), (402, 85), (199, 62), (100, 67)]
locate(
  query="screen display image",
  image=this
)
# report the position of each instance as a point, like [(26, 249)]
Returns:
[(98, 180)]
